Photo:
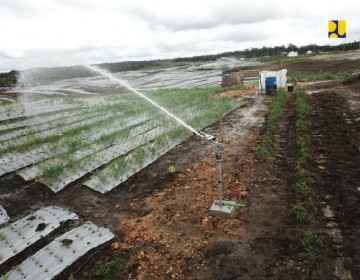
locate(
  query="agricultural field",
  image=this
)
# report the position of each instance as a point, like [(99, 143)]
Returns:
[(131, 189), (58, 140)]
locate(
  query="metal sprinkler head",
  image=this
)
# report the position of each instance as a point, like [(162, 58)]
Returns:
[(207, 137)]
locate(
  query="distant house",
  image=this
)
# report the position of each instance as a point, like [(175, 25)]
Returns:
[(309, 52), (292, 54)]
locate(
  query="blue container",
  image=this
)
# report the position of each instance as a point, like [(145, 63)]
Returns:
[(270, 85)]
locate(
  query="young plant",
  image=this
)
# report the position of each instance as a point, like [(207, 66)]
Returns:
[(309, 242), (51, 171), (101, 176), (301, 211), (115, 268), (2, 236)]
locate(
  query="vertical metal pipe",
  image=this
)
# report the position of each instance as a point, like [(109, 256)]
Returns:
[(218, 150)]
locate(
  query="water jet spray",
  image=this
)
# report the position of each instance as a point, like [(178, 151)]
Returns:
[(221, 208)]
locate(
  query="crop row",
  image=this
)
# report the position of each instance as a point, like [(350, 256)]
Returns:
[(266, 146), (305, 180)]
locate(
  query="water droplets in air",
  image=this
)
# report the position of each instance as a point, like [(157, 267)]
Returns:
[(129, 87)]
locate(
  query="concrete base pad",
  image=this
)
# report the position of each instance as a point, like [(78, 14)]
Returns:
[(223, 211)]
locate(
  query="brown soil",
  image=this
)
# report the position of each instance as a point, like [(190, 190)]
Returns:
[(161, 221), (317, 66), (13, 96), (243, 92)]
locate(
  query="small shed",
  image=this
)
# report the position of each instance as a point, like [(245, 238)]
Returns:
[(237, 76), (232, 77), (271, 80)]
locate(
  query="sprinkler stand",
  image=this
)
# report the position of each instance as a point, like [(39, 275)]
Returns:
[(222, 211), (219, 208)]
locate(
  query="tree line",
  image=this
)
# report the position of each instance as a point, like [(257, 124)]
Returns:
[(9, 79), (274, 51)]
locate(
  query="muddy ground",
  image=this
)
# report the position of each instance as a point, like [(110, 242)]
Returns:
[(161, 221)]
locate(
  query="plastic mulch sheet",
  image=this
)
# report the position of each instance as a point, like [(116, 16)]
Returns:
[(24, 232), (4, 218), (60, 253)]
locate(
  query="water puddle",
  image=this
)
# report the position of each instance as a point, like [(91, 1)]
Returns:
[(309, 92), (328, 212)]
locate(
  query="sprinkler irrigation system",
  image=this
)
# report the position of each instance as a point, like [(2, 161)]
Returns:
[(221, 208), (224, 209)]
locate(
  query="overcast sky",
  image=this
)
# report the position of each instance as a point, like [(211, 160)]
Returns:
[(66, 32)]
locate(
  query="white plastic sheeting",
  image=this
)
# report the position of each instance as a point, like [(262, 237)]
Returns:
[(60, 124), (84, 137), (280, 75), (37, 120), (24, 232), (56, 130), (12, 112), (60, 253), (114, 180), (4, 218), (15, 160), (35, 170), (98, 159), (175, 78), (143, 80)]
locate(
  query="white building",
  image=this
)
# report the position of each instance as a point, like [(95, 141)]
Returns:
[(292, 54)]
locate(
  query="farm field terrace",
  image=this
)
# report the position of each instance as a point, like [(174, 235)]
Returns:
[(58, 140)]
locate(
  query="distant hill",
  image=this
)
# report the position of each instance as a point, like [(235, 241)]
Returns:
[(41, 75)]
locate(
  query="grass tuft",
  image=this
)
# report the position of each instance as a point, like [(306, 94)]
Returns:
[(51, 171)]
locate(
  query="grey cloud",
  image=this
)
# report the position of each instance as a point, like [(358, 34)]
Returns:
[(28, 8), (4, 55), (231, 13), (94, 31)]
